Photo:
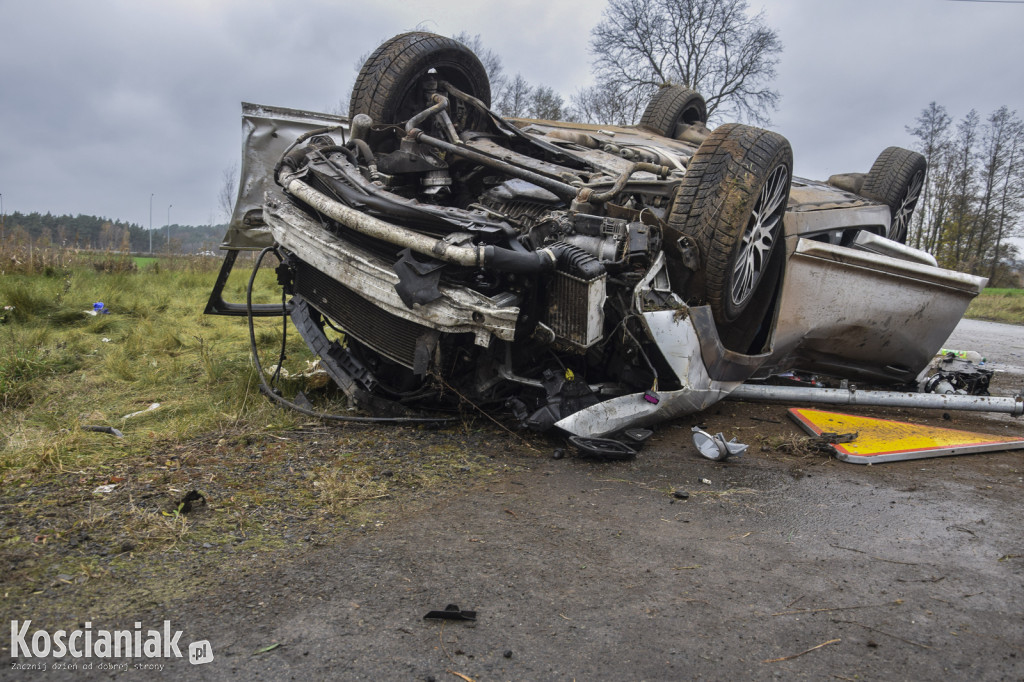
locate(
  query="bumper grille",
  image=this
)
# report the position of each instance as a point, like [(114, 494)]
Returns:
[(385, 333)]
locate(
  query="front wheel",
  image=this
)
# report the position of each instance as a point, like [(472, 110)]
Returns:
[(731, 204)]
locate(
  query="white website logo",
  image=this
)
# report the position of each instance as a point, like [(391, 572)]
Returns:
[(89, 643)]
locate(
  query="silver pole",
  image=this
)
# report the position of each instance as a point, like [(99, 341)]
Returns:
[(169, 228), (151, 224), (841, 396)]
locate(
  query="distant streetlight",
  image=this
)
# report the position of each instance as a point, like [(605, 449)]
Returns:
[(151, 223), (169, 227), (1, 217)]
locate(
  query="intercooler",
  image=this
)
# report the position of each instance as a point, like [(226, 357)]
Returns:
[(575, 310)]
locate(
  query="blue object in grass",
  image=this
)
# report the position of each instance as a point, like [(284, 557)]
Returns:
[(100, 308)]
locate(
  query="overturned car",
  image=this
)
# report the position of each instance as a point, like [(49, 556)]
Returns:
[(593, 279)]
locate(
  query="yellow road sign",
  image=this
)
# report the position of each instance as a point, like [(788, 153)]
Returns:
[(885, 440)]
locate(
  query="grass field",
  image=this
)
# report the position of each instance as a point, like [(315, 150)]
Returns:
[(998, 305), (85, 508), (62, 368)]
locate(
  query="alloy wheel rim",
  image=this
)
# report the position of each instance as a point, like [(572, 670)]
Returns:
[(759, 236), (901, 218)]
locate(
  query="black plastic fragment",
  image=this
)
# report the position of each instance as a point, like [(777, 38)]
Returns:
[(104, 429), (451, 612), (604, 449)]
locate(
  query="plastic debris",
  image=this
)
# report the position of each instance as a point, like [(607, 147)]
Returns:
[(192, 500), (603, 449), (104, 429), (100, 490), (315, 375), (451, 612), (968, 355), (136, 414), (716, 447)]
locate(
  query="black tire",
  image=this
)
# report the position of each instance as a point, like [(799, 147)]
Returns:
[(896, 180), (672, 108), (730, 204), (389, 86)]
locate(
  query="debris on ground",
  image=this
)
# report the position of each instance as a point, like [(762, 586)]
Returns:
[(191, 501), (314, 374), (451, 612), (152, 407), (868, 440), (716, 447), (957, 372), (103, 429)]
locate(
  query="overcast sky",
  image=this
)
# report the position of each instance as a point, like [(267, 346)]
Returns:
[(104, 102)]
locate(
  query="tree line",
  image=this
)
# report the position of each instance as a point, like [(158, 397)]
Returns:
[(45, 230), (973, 197)]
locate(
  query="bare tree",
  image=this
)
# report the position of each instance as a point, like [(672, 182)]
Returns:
[(711, 46), (227, 195), (932, 132), (1010, 198), (964, 186), (993, 157), (547, 104), (515, 100), (974, 197), (490, 60), (603, 103)]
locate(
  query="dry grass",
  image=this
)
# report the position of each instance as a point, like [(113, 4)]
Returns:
[(998, 305)]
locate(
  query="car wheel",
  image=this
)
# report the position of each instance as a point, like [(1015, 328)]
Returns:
[(673, 107), (896, 180), (390, 85), (730, 204)]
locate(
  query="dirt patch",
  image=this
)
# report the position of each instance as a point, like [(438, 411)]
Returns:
[(152, 528)]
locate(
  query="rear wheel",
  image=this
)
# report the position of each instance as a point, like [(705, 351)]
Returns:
[(896, 179), (672, 108), (396, 81), (731, 204)]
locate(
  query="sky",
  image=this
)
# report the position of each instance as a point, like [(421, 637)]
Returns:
[(105, 103)]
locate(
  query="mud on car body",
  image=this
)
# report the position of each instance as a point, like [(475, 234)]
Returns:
[(593, 279)]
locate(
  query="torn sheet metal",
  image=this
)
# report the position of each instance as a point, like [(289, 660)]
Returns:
[(678, 339), (267, 133), (885, 440)]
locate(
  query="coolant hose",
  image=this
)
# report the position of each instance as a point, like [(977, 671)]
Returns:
[(573, 259)]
